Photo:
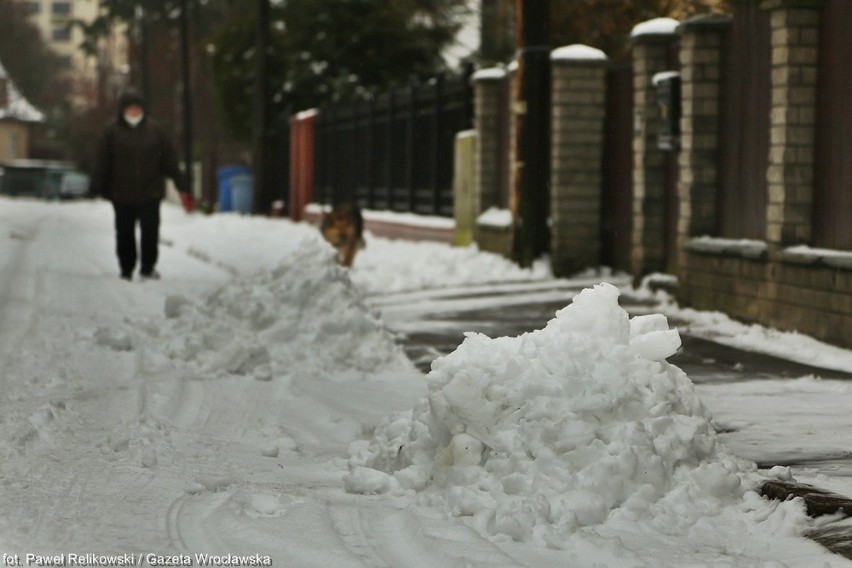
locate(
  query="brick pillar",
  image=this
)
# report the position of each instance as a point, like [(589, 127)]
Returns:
[(795, 39), (577, 138), (651, 43), (490, 125), (700, 53)]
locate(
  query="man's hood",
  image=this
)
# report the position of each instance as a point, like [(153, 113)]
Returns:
[(128, 98)]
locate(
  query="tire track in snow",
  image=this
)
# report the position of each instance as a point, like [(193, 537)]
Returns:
[(299, 530), (384, 537), (18, 281)]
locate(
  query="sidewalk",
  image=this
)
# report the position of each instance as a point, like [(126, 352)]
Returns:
[(433, 323)]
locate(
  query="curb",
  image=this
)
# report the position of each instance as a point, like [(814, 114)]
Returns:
[(818, 502)]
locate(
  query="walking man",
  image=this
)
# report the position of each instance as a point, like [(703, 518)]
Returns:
[(134, 159)]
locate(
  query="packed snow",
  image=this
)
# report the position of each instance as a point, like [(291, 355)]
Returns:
[(255, 405), (539, 435)]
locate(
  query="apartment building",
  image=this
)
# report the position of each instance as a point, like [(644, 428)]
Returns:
[(53, 17)]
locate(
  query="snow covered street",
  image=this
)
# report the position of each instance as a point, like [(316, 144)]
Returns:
[(254, 403)]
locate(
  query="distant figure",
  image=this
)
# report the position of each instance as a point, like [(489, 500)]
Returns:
[(134, 159), (343, 228)]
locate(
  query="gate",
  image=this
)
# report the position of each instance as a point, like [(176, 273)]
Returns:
[(617, 183), (832, 219), (395, 151), (744, 124)]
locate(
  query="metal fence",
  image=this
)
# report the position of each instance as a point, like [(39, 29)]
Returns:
[(395, 151)]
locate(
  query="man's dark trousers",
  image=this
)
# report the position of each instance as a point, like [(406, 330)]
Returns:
[(126, 217)]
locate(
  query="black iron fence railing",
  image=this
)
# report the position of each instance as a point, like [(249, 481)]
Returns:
[(395, 151)]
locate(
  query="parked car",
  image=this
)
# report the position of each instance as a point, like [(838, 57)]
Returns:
[(43, 178), (73, 184)]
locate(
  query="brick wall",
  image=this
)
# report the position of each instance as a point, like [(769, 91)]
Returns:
[(578, 98), (808, 292), (795, 33), (650, 56)]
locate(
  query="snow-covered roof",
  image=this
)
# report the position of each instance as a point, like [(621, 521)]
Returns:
[(657, 26), (578, 52), (17, 106)]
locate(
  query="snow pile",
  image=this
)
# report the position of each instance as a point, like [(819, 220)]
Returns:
[(570, 426), (303, 315), (386, 267)]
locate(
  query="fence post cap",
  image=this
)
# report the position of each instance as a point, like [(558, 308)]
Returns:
[(489, 74), (578, 52), (655, 27)]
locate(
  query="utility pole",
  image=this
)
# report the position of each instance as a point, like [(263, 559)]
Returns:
[(187, 102), (140, 27), (260, 114), (532, 110)]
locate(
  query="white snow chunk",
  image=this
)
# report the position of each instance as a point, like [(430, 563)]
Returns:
[(640, 325), (173, 305), (368, 481), (656, 345), (270, 451), (148, 456), (466, 450), (213, 484), (115, 339)]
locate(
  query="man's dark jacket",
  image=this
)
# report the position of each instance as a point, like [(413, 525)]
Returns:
[(133, 162)]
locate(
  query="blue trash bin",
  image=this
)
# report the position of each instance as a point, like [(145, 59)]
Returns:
[(225, 175), (242, 192)]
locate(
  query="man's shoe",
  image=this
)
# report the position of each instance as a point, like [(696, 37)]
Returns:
[(150, 275), (126, 276)]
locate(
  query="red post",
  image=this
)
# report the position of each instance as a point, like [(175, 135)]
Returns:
[(301, 162)]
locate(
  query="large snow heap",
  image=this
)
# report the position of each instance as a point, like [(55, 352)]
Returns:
[(566, 427), (303, 315)]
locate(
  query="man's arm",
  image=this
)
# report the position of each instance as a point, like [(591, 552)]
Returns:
[(102, 169), (170, 164)]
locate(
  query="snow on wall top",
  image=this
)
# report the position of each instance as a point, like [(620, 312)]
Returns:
[(657, 26), (18, 107), (578, 52), (489, 74), (494, 217)]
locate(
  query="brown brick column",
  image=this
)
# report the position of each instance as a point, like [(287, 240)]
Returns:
[(651, 44), (700, 54), (490, 124), (795, 39), (577, 138)]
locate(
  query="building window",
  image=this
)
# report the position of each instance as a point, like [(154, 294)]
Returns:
[(65, 62), (61, 8), (61, 33), (35, 7)]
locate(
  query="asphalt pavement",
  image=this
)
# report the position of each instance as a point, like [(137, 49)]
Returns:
[(432, 323)]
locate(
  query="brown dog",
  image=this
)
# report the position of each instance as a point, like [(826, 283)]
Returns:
[(343, 228)]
